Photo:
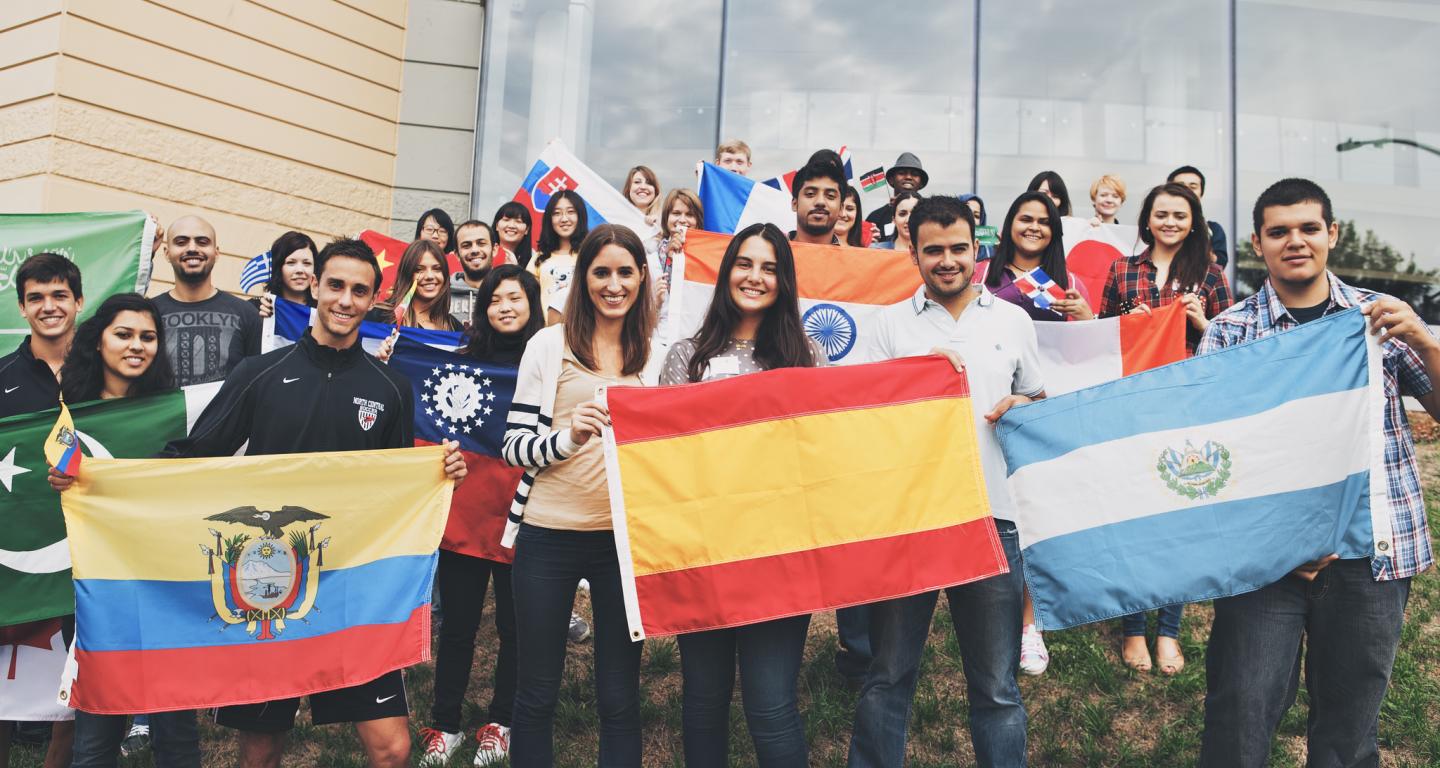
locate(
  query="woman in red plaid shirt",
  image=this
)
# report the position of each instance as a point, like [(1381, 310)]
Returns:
[(1177, 266)]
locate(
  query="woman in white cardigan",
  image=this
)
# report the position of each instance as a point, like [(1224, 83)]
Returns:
[(560, 521)]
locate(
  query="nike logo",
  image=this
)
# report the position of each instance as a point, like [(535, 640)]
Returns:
[(287, 381), (379, 700), (12, 389)]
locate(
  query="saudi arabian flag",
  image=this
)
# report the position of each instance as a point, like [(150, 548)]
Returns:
[(112, 249), (34, 556)]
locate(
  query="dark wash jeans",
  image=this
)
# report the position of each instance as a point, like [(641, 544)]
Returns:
[(1167, 619), (1351, 628), (987, 617), (770, 655), (462, 581), (852, 625), (174, 738), (549, 565)]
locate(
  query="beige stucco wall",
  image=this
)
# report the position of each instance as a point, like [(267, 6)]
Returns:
[(259, 115)]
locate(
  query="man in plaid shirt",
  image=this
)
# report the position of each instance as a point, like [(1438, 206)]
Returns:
[(1350, 612)]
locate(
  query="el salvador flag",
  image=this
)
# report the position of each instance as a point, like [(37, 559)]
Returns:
[(733, 202), (1206, 478), (290, 320)]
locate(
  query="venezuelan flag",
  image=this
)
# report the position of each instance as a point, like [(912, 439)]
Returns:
[(795, 490), (207, 582)]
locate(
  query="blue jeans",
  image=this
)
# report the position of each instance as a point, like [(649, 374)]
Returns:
[(1167, 618), (987, 618), (549, 565), (853, 626), (1351, 626), (770, 655), (174, 739)]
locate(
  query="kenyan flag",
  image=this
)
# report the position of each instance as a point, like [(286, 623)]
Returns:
[(872, 180), (34, 556)]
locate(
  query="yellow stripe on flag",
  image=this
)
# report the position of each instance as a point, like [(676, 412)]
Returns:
[(376, 504), (719, 496)]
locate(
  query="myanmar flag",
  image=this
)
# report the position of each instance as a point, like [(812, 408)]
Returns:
[(793, 491), (34, 557)]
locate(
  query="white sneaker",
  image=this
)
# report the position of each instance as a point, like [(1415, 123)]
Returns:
[(439, 746), (579, 629), (1034, 659), (494, 741)]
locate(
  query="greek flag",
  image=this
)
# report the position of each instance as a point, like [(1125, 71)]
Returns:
[(256, 272)]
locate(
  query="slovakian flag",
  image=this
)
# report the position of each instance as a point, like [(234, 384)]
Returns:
[(842, 290), (1090, 250), (733, 202), (389, 251), (249, 579), (793, 491), (290, 320), (557, 169), (1210, 477), (1040, 289), (1081, 354), (463, 399)]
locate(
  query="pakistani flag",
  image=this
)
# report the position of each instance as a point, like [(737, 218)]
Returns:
[(34, 556), (111, 248)]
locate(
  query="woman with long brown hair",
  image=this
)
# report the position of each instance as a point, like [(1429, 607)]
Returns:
[(423, 268)]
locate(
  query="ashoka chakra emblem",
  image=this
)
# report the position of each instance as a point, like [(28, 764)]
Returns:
[(832, 327)]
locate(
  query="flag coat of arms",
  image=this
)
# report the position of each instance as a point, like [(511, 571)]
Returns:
[(1202, 479), (795, 490), (1079, 354), (842, 290), (112, 249), (733, 202), (1040, 288), (249, 579), (466, 400), (557, 169)]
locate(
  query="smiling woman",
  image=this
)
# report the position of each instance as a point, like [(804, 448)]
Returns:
[(118, 352), (421, 281)]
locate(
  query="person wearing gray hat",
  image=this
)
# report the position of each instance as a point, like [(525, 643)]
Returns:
[(905, 175)]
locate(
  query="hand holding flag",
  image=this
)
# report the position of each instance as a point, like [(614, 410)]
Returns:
[(403, 307), (62, 447)]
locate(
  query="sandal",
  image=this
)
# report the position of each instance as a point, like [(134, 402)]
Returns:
[(1135, 653), (1170, 664)]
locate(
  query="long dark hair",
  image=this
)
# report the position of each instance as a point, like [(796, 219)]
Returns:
[(82, 376), (1057, 188), (439, 311), (442, 219), (514, 210), (1053, 260), (1192, 261), (485, 341), (580, 309), (280, 250), (780, 341), (549, 240), (853, 237)]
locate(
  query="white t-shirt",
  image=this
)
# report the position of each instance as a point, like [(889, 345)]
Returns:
[(996, 339)]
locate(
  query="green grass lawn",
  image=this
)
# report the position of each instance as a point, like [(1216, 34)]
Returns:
[(1087, 710)]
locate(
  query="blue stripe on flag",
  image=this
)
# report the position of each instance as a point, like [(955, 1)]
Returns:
[(1200, 553), (1238, 381), (256, 272), (292, 319), (723, 194)]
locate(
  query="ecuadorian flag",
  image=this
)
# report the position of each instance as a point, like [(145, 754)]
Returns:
[(795, 490), (208, 582)]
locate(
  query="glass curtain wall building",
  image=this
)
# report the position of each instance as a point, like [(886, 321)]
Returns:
[(988, 93)]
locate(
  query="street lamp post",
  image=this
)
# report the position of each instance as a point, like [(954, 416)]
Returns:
[(1349, 144)]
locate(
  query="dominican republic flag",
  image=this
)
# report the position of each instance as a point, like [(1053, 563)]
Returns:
[(1040, 288), (290, 320), (256, 272), (463, 399), (1210, 477), (733, 202), (842, 290), (1090, 250), (873, 180), (1082, 354), (784, 181), (557, 169)]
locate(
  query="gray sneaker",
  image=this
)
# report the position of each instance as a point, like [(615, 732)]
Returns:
[(579, 629)]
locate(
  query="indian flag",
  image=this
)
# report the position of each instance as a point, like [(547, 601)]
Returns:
[(795, 490)]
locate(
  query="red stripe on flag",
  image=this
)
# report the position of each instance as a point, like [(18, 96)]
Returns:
[(479, 507), (651, 413), (125, 682), (733, 594), (1150, 341)]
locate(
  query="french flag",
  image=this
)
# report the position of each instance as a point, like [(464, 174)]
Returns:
[(557, 169), (1207, 478), (1082, 354), (733, 202), (1040, 288)]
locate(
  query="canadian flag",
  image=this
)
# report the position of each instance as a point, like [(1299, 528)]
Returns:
[(32, 657)]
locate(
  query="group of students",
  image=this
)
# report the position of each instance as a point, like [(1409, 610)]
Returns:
[(590, 321)]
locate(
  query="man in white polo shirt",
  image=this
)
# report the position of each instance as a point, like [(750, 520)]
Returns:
[(994, 341)]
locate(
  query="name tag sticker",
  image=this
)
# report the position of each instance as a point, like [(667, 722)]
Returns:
[(728, 365)]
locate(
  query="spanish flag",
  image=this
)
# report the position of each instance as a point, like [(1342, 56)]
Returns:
[(795, 490), (207, 582)]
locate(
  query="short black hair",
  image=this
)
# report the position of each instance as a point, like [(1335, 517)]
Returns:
[(1291, 191), (47, 268), (475, 223), (1188, 169), (442, 220), (819, 167), (939, 209), (1057, 187), (352, 249)]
